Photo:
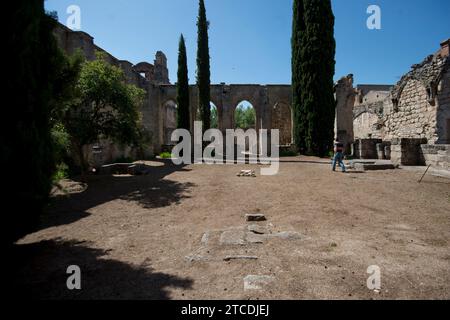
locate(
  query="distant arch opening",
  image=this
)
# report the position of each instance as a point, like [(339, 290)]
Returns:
[(245, 119), (214, 117), (245, 116)]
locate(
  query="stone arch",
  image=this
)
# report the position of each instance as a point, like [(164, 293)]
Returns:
[(250, 93), (360, 111), (282, 119), (376, 108), (365, 124), (237, 100), (146, 69)]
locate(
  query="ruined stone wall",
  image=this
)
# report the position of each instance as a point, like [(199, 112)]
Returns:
[(368, 119), (436, 155), (366, 126), (419, 103), (443, 112), (371, 97), (414, 117), (272, 104)]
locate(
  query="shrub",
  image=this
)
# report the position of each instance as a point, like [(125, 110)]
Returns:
[(62, 172), (165, 155)]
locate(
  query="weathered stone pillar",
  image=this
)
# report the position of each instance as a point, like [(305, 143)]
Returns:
[(227, 110), (345, 97)]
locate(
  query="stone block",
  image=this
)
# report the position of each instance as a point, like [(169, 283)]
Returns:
[(232, 237), (254, 282)]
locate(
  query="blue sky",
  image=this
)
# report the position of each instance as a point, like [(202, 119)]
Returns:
[(250, 39)]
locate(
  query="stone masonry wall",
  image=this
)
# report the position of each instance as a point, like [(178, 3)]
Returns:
[(443, 116), (414, 117), (365, 126)]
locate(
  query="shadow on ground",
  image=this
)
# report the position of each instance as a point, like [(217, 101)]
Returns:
[(39, 270), (150, 191)]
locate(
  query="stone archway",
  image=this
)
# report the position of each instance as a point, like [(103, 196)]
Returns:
[(226, 98), (365, 125)]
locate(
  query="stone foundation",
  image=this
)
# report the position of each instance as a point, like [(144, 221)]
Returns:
[(438, 156), (407, 152)]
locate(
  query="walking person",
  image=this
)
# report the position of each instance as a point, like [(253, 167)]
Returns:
[(338, 155)]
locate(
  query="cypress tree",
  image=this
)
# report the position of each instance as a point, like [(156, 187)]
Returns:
[(183, 120), (298, 32), (317, 78), (313, 71), (203, 67)]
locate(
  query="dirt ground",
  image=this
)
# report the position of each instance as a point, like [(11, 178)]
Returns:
[(140, 237)]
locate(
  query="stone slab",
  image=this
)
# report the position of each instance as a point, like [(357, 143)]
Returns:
[(232, 237), (287, 235), (257, 229), (253, 238), (254, 282)]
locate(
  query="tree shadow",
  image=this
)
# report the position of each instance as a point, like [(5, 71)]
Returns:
[(38, 272), (150, 191)]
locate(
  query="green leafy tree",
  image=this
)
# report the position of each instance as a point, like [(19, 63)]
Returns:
[(34, 85), (184, 118), (68, 73), (245, 117), (313, 64), (105, 107), (203, 67)]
